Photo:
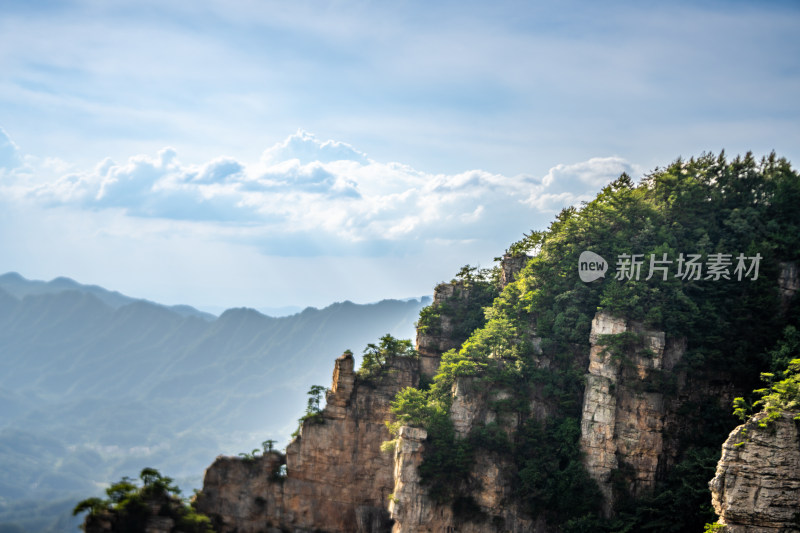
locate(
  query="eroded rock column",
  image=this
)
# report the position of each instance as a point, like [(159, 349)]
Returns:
[(622, 419)]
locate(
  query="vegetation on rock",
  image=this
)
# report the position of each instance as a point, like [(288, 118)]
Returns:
[(525, 348), (783, 390), (130, 506), (377, 356), (534, 336), (481, 287)]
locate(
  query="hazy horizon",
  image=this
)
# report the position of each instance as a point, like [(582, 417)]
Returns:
[(277, 311)]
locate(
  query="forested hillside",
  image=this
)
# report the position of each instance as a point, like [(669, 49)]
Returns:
[(739, 222)]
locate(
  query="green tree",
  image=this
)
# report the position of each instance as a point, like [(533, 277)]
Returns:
[(314, 400), (377, 356), (129, 505)]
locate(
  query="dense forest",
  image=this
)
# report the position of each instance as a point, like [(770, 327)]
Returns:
[(737, 221)]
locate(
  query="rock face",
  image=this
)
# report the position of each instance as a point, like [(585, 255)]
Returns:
[(409, 505), (448, 298), (510, 266), (631, 432), (414, 512), (489, 482), (756, 488), (337, 479), (622, 422)]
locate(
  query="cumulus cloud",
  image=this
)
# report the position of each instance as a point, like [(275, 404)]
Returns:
[(305, 197), (570, 184), (306, 148)]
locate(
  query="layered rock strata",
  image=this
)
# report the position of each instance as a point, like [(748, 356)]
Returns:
[(490, 488), (756, 488), (622, 421)]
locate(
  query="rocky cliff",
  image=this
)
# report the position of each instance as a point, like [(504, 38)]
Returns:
[(756, 488), (622, 422), (539, 402), (336, 478), (639, 404), (441, 336), (490, 507)]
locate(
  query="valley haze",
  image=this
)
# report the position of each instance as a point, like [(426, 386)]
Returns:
[(96, 385)]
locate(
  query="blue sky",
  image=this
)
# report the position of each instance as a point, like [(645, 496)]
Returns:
[(255, 153)]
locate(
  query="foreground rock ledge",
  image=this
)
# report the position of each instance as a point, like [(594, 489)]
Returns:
[(756, 488)]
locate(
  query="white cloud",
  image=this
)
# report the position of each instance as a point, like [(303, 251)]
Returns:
[(571, 184), (9, 153), (305, 147), (309, 197)]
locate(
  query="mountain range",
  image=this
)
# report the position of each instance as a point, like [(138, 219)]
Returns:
[(95, 385)]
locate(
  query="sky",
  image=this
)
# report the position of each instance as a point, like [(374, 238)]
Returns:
[(265, 154)]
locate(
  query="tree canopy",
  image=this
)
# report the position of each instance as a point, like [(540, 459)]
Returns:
[(129, 505), (728, 218)]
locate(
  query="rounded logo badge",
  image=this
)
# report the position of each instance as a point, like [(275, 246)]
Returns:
[(591, 266)]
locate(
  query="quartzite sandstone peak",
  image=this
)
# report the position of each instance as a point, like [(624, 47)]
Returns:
[(338, 480)]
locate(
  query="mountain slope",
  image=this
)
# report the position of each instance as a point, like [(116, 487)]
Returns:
[(91, 391)]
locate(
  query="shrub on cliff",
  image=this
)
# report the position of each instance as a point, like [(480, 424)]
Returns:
[(129, 506), (377, 356), (475, 289), (783, 386)]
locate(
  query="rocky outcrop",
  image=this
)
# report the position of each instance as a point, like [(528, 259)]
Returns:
[(472, 406), (756, 488), (510, 266), (440, 336), (491, 500), (622, 422), (336, 480), (408, 504), (490, 487)]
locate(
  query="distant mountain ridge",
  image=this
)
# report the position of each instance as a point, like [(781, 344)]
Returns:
[(95, 385), (18, 286)]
